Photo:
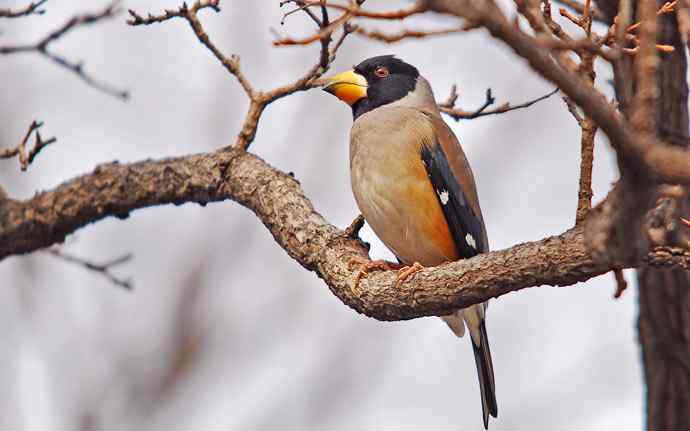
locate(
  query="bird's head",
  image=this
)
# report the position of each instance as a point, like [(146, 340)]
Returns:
[(375, 82)]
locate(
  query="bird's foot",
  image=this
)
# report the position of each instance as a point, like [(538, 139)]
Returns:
[(366, 265), (406, 272)]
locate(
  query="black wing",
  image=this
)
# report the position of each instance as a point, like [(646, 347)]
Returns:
[(465, 226)]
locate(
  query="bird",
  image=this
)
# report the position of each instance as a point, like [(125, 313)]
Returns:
[(414, 186)]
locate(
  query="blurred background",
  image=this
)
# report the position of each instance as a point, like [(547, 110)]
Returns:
[(223, 331)]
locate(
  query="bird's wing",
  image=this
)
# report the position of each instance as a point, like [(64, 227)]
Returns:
[(451, 177)]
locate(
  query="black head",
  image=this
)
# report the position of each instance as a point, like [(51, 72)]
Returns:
[(389, 79), (374, 82)]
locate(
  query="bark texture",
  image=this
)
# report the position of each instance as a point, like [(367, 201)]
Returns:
[(664, 294), (276, 198)]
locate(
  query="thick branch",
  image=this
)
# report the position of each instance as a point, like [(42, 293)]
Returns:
[(277, 200)]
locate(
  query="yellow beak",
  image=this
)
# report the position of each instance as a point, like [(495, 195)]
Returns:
[(347, 86)]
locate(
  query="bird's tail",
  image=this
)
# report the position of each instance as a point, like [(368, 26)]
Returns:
[(485, 371)]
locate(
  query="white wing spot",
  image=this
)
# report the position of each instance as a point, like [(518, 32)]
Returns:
[(470, 241), (443, 195)]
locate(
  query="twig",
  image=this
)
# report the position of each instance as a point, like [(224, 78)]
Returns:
[(405, 34), (585, 193), (573, 110), (182, 12), (356, 11), (20, 150), (348, 13), (548, 31), (621, 283), (667, 7), (43, 45), (578, 7), (30, 9), (588, 128), (258, 100), (325, 30), (448, 107), (101, 268)]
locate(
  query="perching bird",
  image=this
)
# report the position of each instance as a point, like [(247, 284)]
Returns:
[(413, 184)]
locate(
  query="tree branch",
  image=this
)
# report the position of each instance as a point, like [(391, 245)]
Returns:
[(384, 37), (20, 150), (278, 201), (30, 9), (448, 107), (101, 268), (578, 7), (42, 47), (258, 100)]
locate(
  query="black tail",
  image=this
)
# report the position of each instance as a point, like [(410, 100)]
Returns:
[(485, 370)]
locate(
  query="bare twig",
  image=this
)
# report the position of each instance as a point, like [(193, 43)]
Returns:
[(573, 110), (588, 128), (664, 162), (325, 30), (578, 7), (666, 8), (182, 12), (448, 107), (355, 10), (405, 34), (30, 9), (621, 283), (103, 268), (258, 100), (43, 48), (585, 193), (348, 13), (20, 150)]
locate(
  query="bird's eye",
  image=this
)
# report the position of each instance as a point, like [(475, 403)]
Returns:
[(381, 72)]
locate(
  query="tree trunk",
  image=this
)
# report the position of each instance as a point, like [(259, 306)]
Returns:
[(664, 295)]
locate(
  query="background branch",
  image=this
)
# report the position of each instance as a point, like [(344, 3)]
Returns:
[(42, 47), (103, 268), (30, 9), (258, 100), (25, 158), (448, 107)]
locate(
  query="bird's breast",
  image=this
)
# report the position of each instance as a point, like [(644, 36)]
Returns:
[(392, 188)]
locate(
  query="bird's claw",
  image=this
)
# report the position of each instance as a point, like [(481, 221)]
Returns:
[(406, 272), (366, 265)]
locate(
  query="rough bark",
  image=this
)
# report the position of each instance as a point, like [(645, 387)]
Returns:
[(664, 295), (276, 198), (117, 189)]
